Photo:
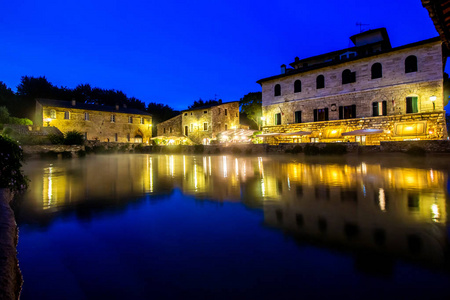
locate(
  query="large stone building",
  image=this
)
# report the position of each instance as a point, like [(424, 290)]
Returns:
[(367, 93), (96, 122), (201, 124)]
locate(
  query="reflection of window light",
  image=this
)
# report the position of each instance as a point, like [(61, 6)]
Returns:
[(184, 166), (151, 174), (236, 166), (209, 159), (432, 175), (289, 183), (382, 199), (364, 168), (435, 215), (195, 177), (225, 171), (260, 166), (263, 189)]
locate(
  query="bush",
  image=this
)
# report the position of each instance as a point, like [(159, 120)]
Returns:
[(333, 149), (56, 139), (11, 158), (311, 150), (416, 151), (20, 121), (73, 138)]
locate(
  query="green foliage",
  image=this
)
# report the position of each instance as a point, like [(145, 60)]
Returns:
[(251, 107), (56, 139), (311, 150), (333, 149), (11, 158), (4, 115), (5, 118), (73, 138), (416, 151), (20, 121), (199, 103)]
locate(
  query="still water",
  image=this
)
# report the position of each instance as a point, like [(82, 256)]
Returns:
[(226, 227)]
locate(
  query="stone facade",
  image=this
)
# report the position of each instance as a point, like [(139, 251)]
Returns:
[(103, 123), (391, 91), (203, 123)]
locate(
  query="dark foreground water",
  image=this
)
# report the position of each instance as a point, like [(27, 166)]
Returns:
[(225, 227)]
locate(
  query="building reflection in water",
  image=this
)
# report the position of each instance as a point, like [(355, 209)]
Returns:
[(398, 211)]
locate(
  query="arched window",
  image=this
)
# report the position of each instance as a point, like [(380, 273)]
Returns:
[(320, 82), (348, 76), (277, 90), (411, 64), (297, 86), (377, 71), (53, 114)]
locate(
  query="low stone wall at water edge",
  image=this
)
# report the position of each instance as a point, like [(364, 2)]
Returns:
[(10, 276), (35, 150), (437, 146)]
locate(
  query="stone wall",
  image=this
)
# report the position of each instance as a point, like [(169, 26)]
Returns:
[(100, 126), (10, 276), (171, 127), (435, 128), (37, 149), (429, 63)]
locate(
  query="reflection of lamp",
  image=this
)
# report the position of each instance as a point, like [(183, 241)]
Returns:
[(48, 121), (433, 99)]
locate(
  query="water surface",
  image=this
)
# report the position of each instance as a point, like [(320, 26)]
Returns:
[(183, 226)]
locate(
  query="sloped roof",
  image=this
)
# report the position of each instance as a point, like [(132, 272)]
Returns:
[(94, 107), (208, 106), (439, 11)]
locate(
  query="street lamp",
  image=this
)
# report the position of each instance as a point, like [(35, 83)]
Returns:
[(48, 121), (433, 99), (262, 121)]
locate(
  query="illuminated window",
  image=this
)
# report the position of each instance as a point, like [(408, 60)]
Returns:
[(66, 115), (379, 108), (411, 105), (205, 126), (377, 71), (53, 114), (277, 90), (320, 82), (298, 116), (113, 118), (347, 112), (411, 64), (278, 119), (297, 86), (321, 114), (348, 76), (142, 120), (86, 116), (130, 120)]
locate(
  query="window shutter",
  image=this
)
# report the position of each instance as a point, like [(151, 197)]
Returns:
[(326, 113), (354, 111), (341, 112), (315, 115), (375, 109), (385, 108)]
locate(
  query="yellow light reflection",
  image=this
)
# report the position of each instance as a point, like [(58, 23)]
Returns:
[(382, 199), (225, 171), (435, 215)]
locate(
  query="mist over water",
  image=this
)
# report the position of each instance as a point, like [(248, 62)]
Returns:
[(178, 226)]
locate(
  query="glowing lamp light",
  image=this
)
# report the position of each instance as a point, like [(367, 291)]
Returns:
[(333, 132), (433, 98), (263, 118), (48, 121), (430, 132)]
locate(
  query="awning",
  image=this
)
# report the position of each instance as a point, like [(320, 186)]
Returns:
[(297, 133), (363, 132), (173, 137), (268, 134)]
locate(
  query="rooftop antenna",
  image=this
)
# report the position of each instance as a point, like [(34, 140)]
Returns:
[(361, 25)]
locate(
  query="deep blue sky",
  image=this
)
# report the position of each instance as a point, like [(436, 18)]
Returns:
[(174, 52)]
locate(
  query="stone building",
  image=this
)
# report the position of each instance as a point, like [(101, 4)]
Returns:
[(96, 122), (202, 124), (367, 93)]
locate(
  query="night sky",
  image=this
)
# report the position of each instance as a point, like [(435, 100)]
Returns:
[(175, 52)]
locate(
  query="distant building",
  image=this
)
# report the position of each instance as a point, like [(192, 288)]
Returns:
[(367, 93), (96, 122), (201, 124)]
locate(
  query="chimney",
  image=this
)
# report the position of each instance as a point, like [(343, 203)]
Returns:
[(74, 102), (117, 106), (220, 101), (283, 69), (296, 59)]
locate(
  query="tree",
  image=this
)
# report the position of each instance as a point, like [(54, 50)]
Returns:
[(200, 103), (7, 96), (28, 90), (251, 107)]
